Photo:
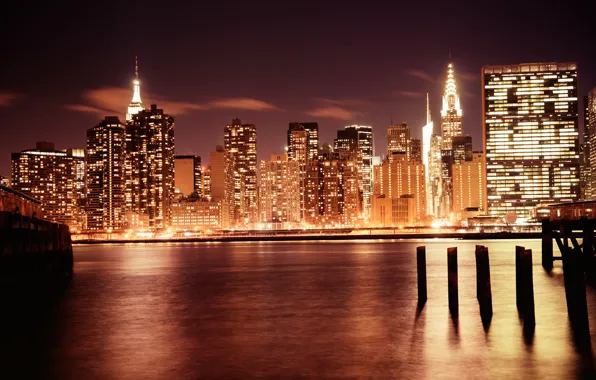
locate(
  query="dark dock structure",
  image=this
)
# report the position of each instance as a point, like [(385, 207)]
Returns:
[(31, 249)]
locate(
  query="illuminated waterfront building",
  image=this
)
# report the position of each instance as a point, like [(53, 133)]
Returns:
[(530, 121), (54, 177), (192, 214), (150, 165), (279, 190), (399, 178), (468, 184), (435, 182), (187, 175), (312, 139), (398, 139), (105, 201), (297, 148), (590, 141), (206, 182), (222, 180), (331, 190), (358, 139), (241, 140)]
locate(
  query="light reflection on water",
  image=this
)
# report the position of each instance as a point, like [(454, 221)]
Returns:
[(318, 309)]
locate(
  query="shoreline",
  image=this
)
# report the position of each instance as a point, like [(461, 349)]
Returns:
[(328, 237)]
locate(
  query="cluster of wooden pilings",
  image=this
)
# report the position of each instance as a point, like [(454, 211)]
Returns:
[(30, 246), (574, 286)]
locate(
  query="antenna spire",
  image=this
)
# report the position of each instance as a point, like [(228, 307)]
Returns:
[(137, 67), (427, 110)]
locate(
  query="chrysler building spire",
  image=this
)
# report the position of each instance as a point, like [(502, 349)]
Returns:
[(451, 112), (136, 105)]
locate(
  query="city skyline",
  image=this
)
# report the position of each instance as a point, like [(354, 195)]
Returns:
[(202, 90)]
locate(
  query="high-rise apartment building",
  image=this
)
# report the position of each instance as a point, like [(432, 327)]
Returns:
[(150, 165), (331, 190), (54, 177), (279, 190), (468, 184), (530, 121), (590, 141), (298, 150), (400, 178), (188, 175), (312, 138), (398, 139), (358, 139), (106, 185), (222, 182), (241, 140)]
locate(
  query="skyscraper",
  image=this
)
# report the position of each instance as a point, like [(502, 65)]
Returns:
[(150, 165), (298, 150), (106, 202), (241, 140), (187, 175), (462, 148), (398, 139), (530, 121), (468, 184), (279, 197), (222, 183), (590, 140), (399, 178), (435, 180), (136, 105), (427, 132), (415, 150), (54, 177), (451, 112), (358, 139)]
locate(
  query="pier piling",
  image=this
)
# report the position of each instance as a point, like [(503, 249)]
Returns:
[(575, 290), (421, 266), (547, 245), (527, 289), (483, 287), (452, 280), (518, 297)]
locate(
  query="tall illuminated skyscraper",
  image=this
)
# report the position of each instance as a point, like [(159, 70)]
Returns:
[(451, 112), (427, 132), (530, 120), (298, 150), (136, 105), (241, 140), (150, 165), (462, 149), (358, 139), (222, 184), (106, 203), (590, 141), (435, 180), (54, 177)]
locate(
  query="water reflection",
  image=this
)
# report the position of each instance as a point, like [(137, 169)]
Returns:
[(312, 309)]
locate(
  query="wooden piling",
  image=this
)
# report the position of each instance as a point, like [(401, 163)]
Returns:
[(527, 288), (452, 280), (421, 265), (483, 288), (547, 244), (575, 290), (518, 252)]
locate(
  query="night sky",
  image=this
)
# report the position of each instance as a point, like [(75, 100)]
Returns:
[(66, 65)]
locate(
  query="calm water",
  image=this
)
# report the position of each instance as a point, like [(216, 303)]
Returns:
[(292, 309)]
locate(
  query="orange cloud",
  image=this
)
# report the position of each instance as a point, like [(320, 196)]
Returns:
[(421, 75), (332, 112), (115, 100)]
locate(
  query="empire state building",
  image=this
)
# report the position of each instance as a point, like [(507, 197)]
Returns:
[(136, 105)]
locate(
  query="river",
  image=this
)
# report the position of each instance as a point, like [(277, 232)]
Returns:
[(292, 309)]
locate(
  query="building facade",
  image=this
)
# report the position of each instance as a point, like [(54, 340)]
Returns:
[(398, 139), (530, 121), (54, 177), (222, 182), (468, 185), (241, 140), (188, 175), (590, 142), (105, 179), (279, 190), (195, 214), (150, 165)]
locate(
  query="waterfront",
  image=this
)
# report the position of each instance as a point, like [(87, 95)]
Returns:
[(292, 309)]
